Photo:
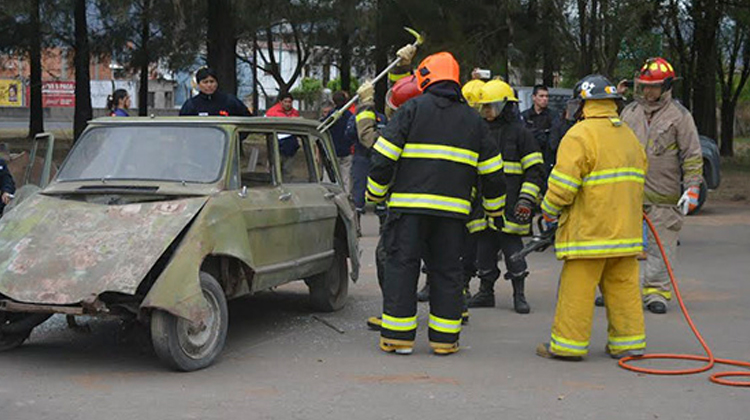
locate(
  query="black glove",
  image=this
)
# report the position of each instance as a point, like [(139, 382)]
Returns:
[(523, 209)]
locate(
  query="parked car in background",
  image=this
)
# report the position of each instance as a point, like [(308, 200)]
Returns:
[(162, 220)]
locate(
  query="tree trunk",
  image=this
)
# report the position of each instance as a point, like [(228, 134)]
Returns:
[(36, 121), (346, 62), (83, 111), (144, 58), (221, 43), (726, 148), (254, 70), (548, 55), (706, 18)]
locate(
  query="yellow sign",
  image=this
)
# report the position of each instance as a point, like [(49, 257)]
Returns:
[(11, 93)]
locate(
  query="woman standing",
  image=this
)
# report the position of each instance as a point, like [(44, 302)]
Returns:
[(118, 103), (210, 101)]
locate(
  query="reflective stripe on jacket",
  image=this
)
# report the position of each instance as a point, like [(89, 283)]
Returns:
[(436, 146), (596, 187)]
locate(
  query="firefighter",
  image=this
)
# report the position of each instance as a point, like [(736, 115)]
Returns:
[(524, 175), (596, 190), (470, 90), (426, 162), (667, 131), (368, 125)]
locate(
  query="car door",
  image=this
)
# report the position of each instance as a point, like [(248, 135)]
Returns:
[(315, 203), (271, 216)]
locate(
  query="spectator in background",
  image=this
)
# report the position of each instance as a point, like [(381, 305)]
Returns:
[(211, 101), (542, 121), (118, 103), (343, 144), (7, 185), (283, 108)]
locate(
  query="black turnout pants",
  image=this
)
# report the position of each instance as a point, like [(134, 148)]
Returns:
[(406, 239)]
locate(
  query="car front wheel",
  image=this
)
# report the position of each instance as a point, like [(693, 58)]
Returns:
[(329, 290), (182, 344)]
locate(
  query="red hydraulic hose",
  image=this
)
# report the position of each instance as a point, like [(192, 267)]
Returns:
[(710, 360)]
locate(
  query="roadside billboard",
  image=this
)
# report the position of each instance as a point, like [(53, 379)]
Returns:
[(11, 93), (58, 94)]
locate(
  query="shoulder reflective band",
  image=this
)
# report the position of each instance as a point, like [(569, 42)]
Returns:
[(564, 346), (654, 291), (376, 189), (614, 246), (366, 115), (550, 208), (437, 151), (490, 165), (609, 176), (399, 324), (395, 77), (633, 342), (564, 181), (430, 201), (448, 326), (530, 188), (531, 159), (513, 168), (387, 149)]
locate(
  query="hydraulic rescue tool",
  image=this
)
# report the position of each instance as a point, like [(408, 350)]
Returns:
[(328, 122)]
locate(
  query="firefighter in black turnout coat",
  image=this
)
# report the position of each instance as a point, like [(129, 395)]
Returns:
[(435, 145), (524, 176)]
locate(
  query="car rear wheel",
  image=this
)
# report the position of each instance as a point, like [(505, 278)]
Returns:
[(329, 290), (186, 346), (15, 328)]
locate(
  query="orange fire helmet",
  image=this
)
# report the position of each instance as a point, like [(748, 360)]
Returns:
[(436, 68), (656, 71)]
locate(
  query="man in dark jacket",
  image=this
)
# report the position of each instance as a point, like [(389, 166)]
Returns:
[(524, 177), (542, 122), (210, 101), (435, 145)]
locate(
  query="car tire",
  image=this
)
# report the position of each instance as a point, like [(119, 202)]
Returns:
[(182, 346), (702, 196), (9, 341), (330, 289)]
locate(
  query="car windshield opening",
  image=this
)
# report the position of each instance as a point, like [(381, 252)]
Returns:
[(161, 153)]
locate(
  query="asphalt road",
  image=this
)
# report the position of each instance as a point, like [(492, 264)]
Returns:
[(280, 363)]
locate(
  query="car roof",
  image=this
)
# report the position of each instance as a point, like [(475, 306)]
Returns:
[(209, 121)]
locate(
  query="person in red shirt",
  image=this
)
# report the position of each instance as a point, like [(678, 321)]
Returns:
[(283, 108)]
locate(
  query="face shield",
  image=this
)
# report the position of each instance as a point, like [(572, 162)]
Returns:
[(650, 92), (492, 110)]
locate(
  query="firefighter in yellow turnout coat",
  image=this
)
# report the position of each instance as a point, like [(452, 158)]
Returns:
[(596, 190)]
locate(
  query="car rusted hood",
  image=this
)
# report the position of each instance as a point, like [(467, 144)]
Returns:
[(55, 251)]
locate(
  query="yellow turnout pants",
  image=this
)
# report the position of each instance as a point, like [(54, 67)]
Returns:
[(618, 279)]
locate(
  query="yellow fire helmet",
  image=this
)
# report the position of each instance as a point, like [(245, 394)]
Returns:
[(471, 91), (496, 91)]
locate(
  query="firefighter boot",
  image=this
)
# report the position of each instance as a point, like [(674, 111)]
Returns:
[(519, 299), (375, 323), (485, 297)]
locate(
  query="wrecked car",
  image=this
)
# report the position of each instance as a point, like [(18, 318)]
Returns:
[(162, 220)]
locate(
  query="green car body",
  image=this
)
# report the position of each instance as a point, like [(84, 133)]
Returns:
[(123, 246)]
